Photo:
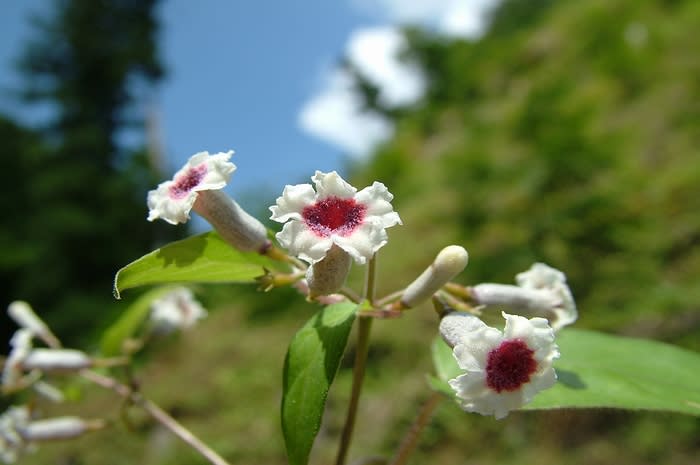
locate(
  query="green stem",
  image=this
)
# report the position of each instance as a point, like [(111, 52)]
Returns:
[(371, 279), (358, 375), (410, 441)]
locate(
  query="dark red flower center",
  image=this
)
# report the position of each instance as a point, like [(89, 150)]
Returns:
[(509, 366), (187, 181), (334, 215)]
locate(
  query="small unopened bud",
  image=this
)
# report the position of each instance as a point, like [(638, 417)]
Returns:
[(328, 275), (234, 225), (454, 325), (514, 298), (58, 428), (449, 262), (56, 360), (25, 317)]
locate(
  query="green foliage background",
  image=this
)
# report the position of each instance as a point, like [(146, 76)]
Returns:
[(568, 135)]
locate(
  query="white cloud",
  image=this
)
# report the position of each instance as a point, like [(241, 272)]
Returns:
[(375, 52), (460, 18), (336, 116)]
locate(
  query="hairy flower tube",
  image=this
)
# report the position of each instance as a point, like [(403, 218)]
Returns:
[(502, 371), (334, 213), (197, 186), (178, 309), (449, 262), (328, 275)]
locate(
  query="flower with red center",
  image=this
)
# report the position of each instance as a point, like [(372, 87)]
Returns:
[(334, 213), (198, 186), (173, 200), (503, 371)]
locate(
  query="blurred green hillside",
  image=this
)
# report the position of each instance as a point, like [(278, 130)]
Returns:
[(567, 135)]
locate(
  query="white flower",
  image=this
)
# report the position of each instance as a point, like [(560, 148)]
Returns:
[(503, 371), (197, 186), (335, 213), (544, 277), (176, 310), (173, 200)]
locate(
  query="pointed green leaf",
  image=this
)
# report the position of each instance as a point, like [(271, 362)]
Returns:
[(204, 258), (129, 322), (312, 361), (601, 370)]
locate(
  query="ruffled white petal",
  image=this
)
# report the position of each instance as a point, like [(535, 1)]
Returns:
[(162, 205), (292, 202), (300, 241), (540, 276), (378, 199), (219, 169), (543, 277), (332, 185), (363, 242)]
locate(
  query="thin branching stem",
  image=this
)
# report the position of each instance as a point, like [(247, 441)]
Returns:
[(410, 440), (157, 413)]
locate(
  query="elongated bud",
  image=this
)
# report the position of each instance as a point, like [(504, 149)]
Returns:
[(328, 275), (25, 317), (513, 298), (449, 262), (48, 391), (58, 428), (235, 225), (454, 325), (56, 360)]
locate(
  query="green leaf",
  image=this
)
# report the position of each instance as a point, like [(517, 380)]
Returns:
[(601, 370), (204, 258), (309, 368), (129, 322)]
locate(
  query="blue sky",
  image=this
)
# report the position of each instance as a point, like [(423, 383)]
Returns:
[(261, 78)]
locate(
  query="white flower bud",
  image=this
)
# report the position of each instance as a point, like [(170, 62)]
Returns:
[(25, 317), (328, 275), (449, 262), (515, 298), (234, 225), (21, 344), (48, 391), (58, 428), (56, 360)]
